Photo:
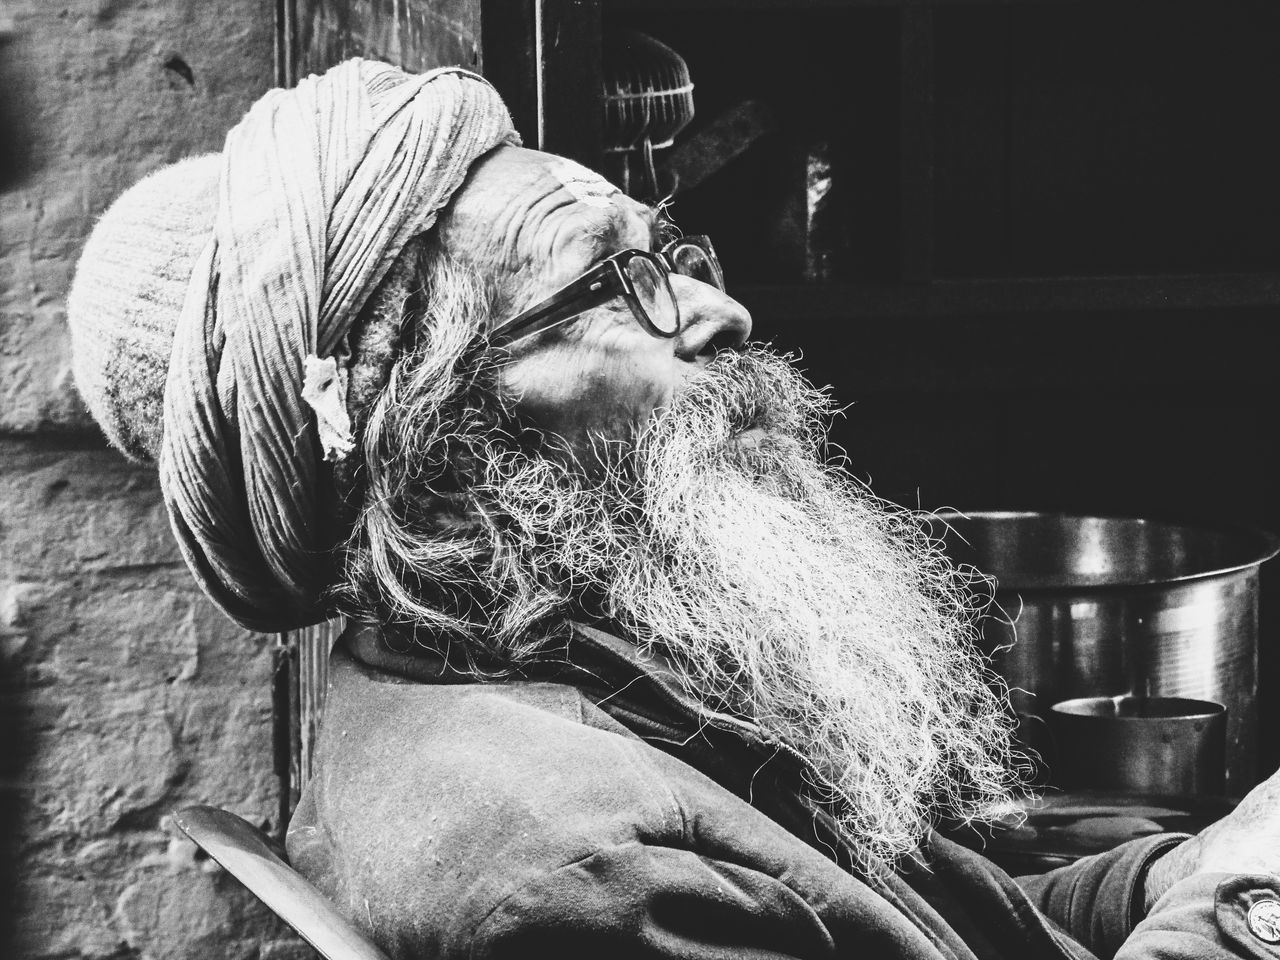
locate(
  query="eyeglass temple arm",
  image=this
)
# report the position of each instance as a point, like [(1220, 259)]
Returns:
[(604, 281)]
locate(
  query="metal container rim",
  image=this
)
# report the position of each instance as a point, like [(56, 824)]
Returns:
[(1266, 545), (1198, 709)]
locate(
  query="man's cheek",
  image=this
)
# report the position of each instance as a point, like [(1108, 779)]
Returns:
[(611, 401), (648, 385)]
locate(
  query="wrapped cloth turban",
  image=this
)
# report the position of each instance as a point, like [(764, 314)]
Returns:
[(212, 311)]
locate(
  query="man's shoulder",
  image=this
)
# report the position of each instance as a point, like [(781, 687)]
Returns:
[(453, 794), (518, 737)]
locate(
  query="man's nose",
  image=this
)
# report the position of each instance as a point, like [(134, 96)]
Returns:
[(710, 320)]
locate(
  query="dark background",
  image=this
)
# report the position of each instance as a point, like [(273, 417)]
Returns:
[(1057, 268)]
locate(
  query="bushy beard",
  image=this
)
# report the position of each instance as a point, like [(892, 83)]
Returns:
[(780, 588), (787, 593)]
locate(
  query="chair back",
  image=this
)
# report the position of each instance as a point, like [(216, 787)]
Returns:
[(248, 855)]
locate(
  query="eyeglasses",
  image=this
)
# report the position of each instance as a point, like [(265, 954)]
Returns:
[(638, 275)]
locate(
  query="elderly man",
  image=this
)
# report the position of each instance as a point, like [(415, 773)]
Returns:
[(632, 671)]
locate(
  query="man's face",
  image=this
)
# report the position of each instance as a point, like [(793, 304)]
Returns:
[(532, 222), (778, 586)]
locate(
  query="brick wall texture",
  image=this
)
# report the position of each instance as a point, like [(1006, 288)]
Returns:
[(126, 694)]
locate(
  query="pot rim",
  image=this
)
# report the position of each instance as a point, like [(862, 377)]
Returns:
[(1264, 546), (1197, 709)]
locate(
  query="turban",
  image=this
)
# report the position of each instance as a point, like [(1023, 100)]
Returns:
[(212, 313)]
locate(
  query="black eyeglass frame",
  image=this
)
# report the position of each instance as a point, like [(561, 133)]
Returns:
[(606, 280)]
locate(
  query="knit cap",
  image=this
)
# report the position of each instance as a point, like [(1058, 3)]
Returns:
[(127, 295)]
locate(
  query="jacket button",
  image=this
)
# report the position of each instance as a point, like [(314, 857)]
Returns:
[(1264, 920)]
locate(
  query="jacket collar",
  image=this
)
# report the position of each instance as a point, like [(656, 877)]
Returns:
[(594, 657), (625, 682)]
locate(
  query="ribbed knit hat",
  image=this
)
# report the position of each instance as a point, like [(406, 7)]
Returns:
[(212, 309), (127, 296)]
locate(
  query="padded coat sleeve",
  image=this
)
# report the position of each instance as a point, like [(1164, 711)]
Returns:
[(636, 900), (1204, 917), (1098, 900)]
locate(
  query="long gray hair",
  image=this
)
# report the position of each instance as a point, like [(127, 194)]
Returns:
[(425, 560)]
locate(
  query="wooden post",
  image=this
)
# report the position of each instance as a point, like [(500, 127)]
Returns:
[(570, 80), (418, 35)]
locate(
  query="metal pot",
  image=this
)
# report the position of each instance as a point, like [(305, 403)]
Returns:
[(1109, 606), (1147, 745)]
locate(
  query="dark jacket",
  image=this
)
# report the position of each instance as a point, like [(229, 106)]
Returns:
[(591, 810)]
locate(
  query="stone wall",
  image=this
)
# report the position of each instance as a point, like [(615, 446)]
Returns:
[(126, 694)]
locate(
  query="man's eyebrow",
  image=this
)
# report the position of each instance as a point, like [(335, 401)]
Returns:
[(607, 234)]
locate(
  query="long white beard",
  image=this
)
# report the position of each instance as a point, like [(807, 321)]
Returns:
[(782, 590)]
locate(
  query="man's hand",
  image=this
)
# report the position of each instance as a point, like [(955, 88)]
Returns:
[(1247, 840)]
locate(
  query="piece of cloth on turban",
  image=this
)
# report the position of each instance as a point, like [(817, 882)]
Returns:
[(318, 190)]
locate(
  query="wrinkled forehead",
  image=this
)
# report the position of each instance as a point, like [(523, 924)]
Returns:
[(583, 184), (599, 200), (534, 217)]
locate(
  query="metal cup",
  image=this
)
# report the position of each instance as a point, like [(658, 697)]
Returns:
[(1154, 745)]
